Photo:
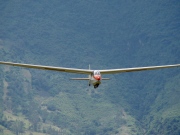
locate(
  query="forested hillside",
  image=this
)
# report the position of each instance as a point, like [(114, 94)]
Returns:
[(104, 34)]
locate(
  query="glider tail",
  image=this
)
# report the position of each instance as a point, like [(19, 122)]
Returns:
[(79, 78), (105, 78), (89, 76)]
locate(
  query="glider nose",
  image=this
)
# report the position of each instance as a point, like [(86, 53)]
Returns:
[(97, 77)]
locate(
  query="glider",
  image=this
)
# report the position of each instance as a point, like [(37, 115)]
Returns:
[(94, 76)]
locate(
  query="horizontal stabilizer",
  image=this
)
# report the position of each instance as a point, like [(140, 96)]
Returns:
[(79, 79), (105, 78), (86, 79)]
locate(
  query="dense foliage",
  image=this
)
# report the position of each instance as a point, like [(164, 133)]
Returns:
[(105, 34)]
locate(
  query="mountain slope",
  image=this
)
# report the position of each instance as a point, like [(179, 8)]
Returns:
[(108, 34)]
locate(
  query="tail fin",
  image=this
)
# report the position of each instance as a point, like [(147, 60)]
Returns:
[(88, 76)]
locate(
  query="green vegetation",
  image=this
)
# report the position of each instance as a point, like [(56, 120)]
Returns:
[(105, 34)]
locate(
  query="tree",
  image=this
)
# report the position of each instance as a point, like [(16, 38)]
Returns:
[(17, 127)]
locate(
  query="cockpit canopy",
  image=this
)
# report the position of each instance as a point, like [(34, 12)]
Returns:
[(96, 72)]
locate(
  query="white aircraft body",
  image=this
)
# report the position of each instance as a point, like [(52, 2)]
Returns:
[(94, 76)]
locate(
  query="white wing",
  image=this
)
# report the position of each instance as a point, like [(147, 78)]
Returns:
[(61, 69), (87, 71), (122, 70)]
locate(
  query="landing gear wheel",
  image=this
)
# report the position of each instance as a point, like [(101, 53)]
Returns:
[(95, 86)]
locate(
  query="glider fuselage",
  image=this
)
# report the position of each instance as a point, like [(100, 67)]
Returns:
[(95, 78)]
